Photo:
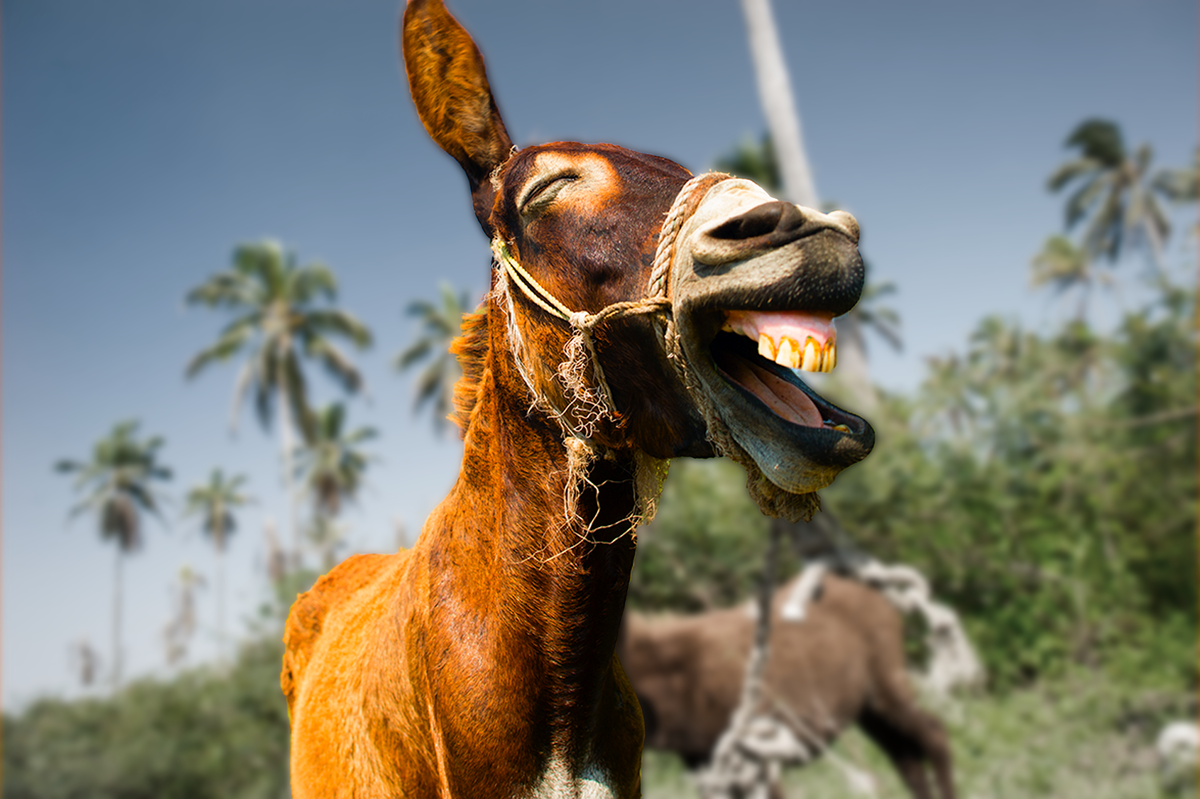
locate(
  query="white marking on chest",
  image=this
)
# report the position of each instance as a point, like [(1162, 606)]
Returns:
[(557, 781)]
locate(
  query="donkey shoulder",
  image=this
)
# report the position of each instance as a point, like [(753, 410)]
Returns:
[(310, 612)]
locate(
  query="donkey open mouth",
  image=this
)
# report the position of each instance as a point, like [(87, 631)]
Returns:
[(755, 286)]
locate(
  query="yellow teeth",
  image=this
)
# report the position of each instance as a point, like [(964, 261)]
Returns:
[(766, 347), (788, 354), (811, 358)]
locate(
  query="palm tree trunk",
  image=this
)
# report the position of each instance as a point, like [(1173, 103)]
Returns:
[(287, 444), (779, 108), (219, 534), (775, 94), (116, 621)]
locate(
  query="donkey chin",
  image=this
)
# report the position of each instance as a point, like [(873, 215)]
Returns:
[(755, 285)]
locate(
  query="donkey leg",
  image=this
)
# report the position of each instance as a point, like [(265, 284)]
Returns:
[(913, 740)]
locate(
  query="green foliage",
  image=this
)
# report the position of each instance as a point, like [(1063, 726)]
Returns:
[(204, 734), (1047, 486)]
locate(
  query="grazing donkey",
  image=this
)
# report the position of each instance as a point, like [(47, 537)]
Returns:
[(843, 664), (636, 313)]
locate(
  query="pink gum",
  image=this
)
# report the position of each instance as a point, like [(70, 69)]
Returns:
[(796, 325)]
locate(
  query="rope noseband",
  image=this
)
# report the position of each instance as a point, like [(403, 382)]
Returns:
[(596, 403)]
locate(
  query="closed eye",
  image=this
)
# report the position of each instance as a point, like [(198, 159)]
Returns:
[(543, 192)]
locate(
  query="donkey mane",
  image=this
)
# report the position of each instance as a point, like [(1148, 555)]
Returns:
[(471, 349)]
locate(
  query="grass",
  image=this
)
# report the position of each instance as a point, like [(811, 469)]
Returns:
[(1082, 736)]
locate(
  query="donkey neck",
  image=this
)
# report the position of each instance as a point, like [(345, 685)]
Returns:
[(542, 576)]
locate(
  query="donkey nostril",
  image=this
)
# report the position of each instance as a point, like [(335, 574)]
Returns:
[(758, 221)]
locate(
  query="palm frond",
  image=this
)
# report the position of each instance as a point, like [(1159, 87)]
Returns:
[(1070, 171), (1099, 139), (1080, 202), (339, 323), (310, 282), (336, 364)]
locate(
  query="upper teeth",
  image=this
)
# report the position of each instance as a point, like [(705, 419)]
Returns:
[(812, 357)]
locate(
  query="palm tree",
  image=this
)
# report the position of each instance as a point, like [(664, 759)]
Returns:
[(332, 467), (1112, 192), (214, 503), (117, 484), (1064, 266), (282, 314), (441, 324)]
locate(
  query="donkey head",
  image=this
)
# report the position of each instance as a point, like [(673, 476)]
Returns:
[(695, 298)]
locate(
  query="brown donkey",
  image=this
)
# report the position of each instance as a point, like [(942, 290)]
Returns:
[(628, 308), (844, 663)]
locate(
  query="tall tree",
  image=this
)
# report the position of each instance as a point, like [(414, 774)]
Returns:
[(1112, 192), (440, 324), (283, 314), (332, 466), (117, 485), (214, 503)]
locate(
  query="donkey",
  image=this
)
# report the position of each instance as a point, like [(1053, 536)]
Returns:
[(844, 663), (629, 303)]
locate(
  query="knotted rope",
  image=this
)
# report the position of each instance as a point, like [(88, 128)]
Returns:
[(588, 404), (594, 402)]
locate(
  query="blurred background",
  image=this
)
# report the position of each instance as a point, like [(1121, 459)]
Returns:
[(1025, 179)]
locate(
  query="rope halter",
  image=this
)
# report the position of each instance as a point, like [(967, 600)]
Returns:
[(588, 405)]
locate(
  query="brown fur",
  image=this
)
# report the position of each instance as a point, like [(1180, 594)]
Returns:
[(481, 662), (843, 664), (471, 350)]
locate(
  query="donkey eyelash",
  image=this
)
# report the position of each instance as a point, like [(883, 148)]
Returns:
[(544, 191)]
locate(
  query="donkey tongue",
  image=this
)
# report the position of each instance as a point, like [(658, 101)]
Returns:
[(804, 340), (784, 399)]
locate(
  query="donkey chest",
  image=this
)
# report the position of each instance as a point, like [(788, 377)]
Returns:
[(558, 779)]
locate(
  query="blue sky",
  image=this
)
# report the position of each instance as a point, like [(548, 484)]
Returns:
[(142, 140)]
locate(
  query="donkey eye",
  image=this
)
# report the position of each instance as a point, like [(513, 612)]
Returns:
[(543, 192)]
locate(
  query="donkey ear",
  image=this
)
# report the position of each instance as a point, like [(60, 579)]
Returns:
[(450, 90)]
